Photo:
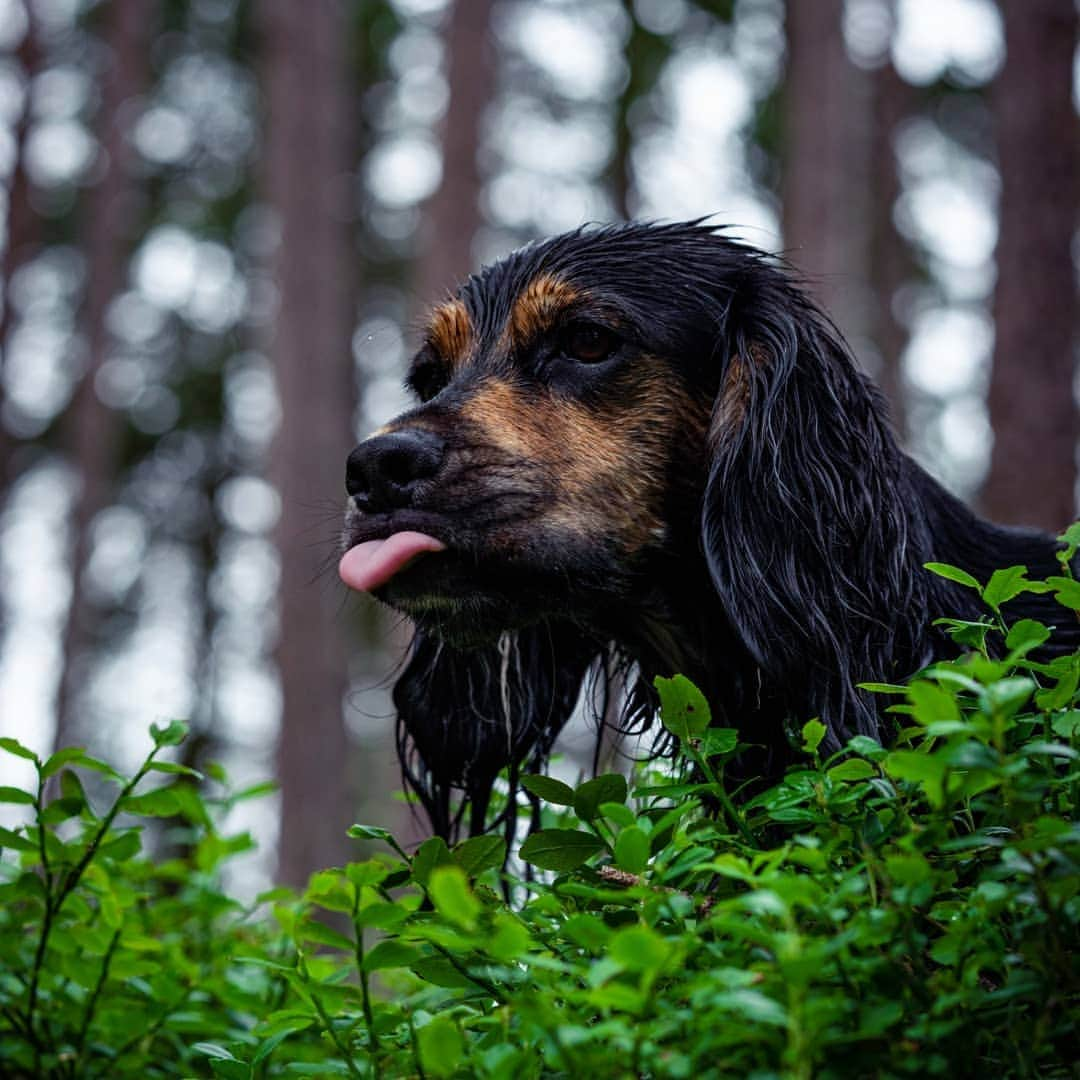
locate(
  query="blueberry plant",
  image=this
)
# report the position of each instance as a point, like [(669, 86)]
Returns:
[(908, 910)]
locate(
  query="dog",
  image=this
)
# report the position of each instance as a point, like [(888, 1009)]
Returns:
[(637, 450)]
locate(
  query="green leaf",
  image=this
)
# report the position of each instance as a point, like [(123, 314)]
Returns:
[(609, 788), (1025, 635), (374, 832), (62, 809), (907, 869), (212, 1050), (617, 812), (587, 931), (1004, 585), (718, 741), (866, 747), (549, 789), (313, 930), (390, 954), (637, 948), (15, 841), (510, 939), (381, 916), (952, 573), (1066, 591), (923, 769), (1071, 539), (559, 849), (852, 769), (13, 746), (85, 761), (16, 795), (369, 872), (175, 769), (60, 759), (438, 971), (930, 703), (479, 853), (432, 852), (254, 791), (274, 1040), (329, 889), (632, 850), (683, 708), (452, 897), (71, 786), (882, 687), (440, 1046), (971, 634), (1007, 696), (1060, 695), (122, 847), (1067, 724), (813, 732), (753, 1005), (160, 803), (173, 734)]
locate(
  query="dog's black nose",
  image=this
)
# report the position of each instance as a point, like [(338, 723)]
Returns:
[(382, 473)]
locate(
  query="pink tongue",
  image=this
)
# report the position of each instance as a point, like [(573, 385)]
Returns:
[(375, 562)]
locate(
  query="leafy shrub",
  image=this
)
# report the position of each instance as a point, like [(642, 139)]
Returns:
[(903, 911)]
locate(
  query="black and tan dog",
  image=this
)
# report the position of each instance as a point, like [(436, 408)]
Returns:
[(645, 444)]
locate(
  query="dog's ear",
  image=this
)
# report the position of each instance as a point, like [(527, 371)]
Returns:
[(808, 541), (464, 715)]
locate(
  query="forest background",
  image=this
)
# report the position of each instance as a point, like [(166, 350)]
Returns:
[(222, 221)]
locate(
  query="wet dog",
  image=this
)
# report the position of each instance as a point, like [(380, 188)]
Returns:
[(644, 448)]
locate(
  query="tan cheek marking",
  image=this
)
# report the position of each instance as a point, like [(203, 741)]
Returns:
[(450, 331), (539, 305), (607, 467)]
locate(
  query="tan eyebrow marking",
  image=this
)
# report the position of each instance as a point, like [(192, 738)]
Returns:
[(541, 302), (450, 331)]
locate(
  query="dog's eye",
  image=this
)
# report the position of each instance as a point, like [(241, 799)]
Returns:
[(589, 343), (428, 379)]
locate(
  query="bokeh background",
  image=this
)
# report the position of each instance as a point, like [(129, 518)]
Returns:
[(222, 220)]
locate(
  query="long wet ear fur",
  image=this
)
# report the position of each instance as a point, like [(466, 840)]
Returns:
[(465, 715), (816, 558)]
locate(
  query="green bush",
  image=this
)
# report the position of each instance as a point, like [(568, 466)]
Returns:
[(880, 912)]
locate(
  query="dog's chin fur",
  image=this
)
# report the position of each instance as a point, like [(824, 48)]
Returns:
[(739, 510)]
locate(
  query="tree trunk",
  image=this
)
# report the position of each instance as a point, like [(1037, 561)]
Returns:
[(890, 264), (1032, 476), (21, 231), (90, 430), (453, 213), (307, 162), (825, 181)]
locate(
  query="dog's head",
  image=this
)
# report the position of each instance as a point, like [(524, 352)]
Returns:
[(639, 435), (558, 452)]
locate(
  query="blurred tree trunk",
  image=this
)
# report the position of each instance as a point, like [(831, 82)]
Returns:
[(90, 430), (21, 227), (890, 263), (453, 213), (825, 167), (645, 54), (1032, 404), (307, 91)]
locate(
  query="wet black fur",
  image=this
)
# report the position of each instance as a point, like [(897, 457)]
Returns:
[(794, 565)]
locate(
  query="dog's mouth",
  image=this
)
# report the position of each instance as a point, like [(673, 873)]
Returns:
[(372, 563)]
